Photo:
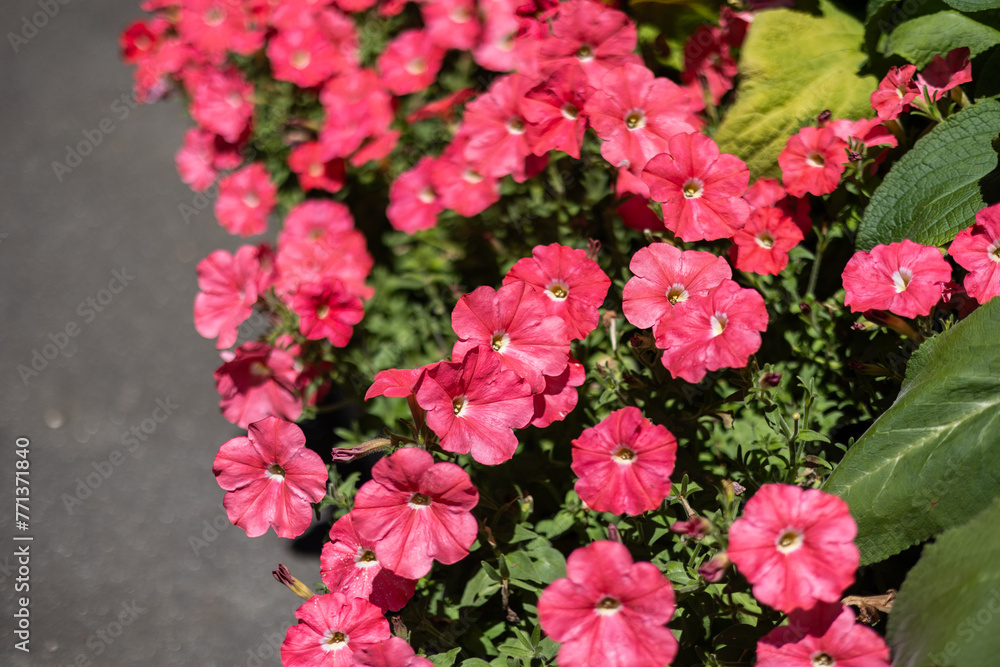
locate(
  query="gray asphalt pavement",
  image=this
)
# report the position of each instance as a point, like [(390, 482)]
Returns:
[(131, 560)]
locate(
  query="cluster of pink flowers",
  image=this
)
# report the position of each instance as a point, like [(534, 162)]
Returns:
[(319, 272), (910, 279), (796, 547), (565, 68)]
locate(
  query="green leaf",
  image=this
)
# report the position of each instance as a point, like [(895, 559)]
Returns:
[(974, 5), (931, 460), (790, 75), (475, 662), (445, 659), (935, 189), (920, 39), (943, 613)]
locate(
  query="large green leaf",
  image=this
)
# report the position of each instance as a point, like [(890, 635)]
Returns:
[(920, 39), (934, 191), (794, 65), (933, 459), (948, 609)]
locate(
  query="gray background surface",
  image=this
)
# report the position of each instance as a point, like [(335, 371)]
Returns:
[(134, 540)]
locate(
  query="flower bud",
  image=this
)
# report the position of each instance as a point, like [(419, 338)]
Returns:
[(715, 569), (283, 575)]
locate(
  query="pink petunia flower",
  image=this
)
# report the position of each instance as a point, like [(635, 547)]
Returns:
[(410, 62), (825, 635), (451, 24), (796, 546), (813, 162), (332, 628), (636, 113), (357, 107), (665, 276), (394, 383), (768, 192), (327, 310), (701, 189), (246, 198), (474, 405), (977, 249), (202, 156), (270, 479), (559, 397), (348, 565), (313, 171), (496, 129), (511, 323), (905, 278), (414, 204), (943, 74), (609, 611), (416, 511), (574, 285), (460, 187), (591, 36), (556, 108), (258, 381), (318, 243), (306, 56), (140, 39), (762, 245), (376, 148), (721, 330), (393, 652), (624, 463), (223, 103), (214, 27), (227, 287), (895, 92)]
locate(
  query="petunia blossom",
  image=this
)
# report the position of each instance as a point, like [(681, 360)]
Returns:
[(496, 129), (410, 62), (945, 73), (332, 628), (349, 565), (270, 479), (559, 397), (223, 103), (813, 161), (246, 198), (895, 92), (414, 204), (721, 330), (978, 250), (258, 381), (762, 245), (636, 113), (590, 36), (227, 287), (416, 511), (795, 546), (458, 186), (474, 405), (313, 171), (664, 276), (827, 634), (905, 278), (573, 284), (327, 310), (700, 188), (609, 611), (556, 108), (511, 323), (624, 463)]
